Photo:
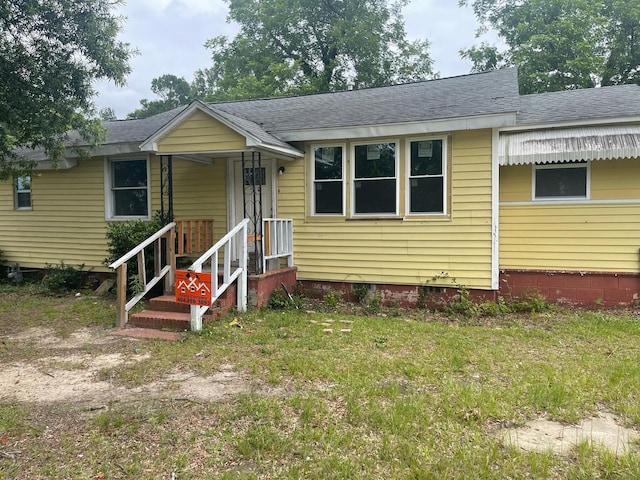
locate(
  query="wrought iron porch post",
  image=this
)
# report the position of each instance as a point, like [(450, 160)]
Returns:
[(166, 189)]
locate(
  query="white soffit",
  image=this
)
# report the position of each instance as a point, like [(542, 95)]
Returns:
[(565, 145)]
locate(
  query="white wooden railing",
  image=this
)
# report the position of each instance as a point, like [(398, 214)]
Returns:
[(166, 271), (237, 234), (277, 240)]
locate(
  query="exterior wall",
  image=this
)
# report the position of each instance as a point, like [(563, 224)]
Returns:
[(407, 250), (201, 133), (67, 222), (597, 235)]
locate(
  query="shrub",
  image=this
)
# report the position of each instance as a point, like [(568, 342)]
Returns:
[(280, 300), (63, 277), (122, 237)]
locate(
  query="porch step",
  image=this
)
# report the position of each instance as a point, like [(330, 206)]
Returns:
[(164, 313)]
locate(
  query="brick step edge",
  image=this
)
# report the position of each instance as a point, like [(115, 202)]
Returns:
[(158, 320)]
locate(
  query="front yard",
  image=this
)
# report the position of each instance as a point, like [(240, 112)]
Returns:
[(311, 393)]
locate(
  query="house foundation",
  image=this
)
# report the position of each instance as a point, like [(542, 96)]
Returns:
[(607, 289)]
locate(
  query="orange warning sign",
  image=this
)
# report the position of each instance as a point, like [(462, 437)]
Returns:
[(193, 288)]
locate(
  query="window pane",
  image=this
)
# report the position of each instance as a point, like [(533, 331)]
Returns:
[(375, 161), (257, 175), (375, 196), (329, 197), (23, 183), (131, 202), (427, 195), (561, 182), (131, 173), (328, 163), (24, 199), (426, 158)]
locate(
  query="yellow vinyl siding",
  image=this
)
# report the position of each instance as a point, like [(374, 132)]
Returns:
[(400, 251), (199, 191), (600, 235), (66, 223), (201, 133)]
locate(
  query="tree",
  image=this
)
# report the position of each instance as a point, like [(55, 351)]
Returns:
[(561, 44), (173, 92), (107, 114), (50, 53), (303, 46)]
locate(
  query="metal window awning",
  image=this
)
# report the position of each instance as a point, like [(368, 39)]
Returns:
[(570, 144)]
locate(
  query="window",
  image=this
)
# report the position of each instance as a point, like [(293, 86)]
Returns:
[(375, 179), (328, 185), (128, 195), (561, 181), (427, 166), (22, 197)]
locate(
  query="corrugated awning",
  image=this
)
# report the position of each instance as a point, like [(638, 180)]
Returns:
[(571, 144)]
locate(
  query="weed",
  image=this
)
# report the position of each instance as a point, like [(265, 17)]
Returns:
[(461, 304), (62, 278), (530, 302), (374, 306), (360, 291), (281, 300), (332, 298)]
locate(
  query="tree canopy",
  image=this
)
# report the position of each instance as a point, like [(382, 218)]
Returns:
[(561, 44), (50, 53), (304, 46), (173, 92)]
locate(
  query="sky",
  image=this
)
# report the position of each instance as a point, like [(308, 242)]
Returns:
[(170, 37)]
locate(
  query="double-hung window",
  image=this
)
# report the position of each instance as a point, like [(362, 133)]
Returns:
[(427, 176), (22, 193), (128, 189), (328, 180), (562, 181), (375, 179)]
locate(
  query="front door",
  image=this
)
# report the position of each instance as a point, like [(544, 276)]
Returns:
[(253, 195)]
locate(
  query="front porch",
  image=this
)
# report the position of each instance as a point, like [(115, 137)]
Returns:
[(222, 272)]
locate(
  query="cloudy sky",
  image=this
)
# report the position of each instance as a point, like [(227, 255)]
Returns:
[(170, 36)]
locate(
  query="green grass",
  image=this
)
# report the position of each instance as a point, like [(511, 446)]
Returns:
[(413, 396)]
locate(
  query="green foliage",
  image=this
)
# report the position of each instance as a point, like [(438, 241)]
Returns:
[(530, 302), (173, 92), (280, 300), (304, 46), (63, 277), (462, 305), (332, 298), (122, 237), (561, 44), (374, 306), (360, 291), (52, 52)]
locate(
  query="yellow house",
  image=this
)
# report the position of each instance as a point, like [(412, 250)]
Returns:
[(400, 190)]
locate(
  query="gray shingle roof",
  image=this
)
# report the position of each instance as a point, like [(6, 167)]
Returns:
[(463, 96), (585, 104)]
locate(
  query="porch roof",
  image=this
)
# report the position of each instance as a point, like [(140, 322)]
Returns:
[(569, 144)]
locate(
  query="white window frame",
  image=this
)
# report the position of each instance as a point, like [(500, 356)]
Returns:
[(343, 180), (17, 192), (550, 166), (353, 178), (444, 175), (109, 201)]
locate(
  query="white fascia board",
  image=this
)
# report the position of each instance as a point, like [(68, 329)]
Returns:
[(396, 129), (289, 152), (572, 123)]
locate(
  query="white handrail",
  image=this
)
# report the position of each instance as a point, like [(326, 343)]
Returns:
[(228, 277), (167, 271), (128, 256), (277, 240)]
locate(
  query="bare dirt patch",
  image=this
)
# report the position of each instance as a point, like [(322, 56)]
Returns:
[(75, 376), (543, 435)]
